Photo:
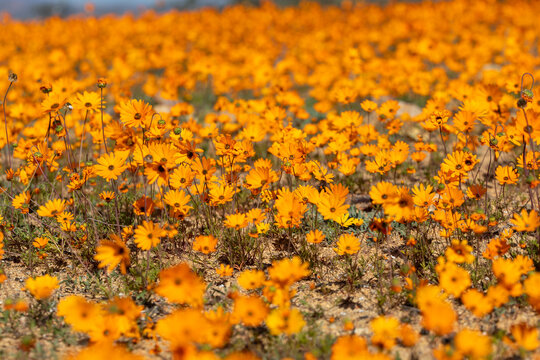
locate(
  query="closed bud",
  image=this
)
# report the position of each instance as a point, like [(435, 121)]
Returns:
[(102, 83), (527, 95), (46, 88), (521, 103)]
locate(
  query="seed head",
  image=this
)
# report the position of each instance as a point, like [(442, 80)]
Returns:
[(12, 77)]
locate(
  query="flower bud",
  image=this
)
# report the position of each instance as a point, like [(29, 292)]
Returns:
[(527, 95), (102, 83), (46, 88)]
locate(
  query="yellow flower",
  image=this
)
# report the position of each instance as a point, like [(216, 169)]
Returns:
[(224, 270), (350, 347), (52, 208), (205, 244), (111, 253), (22, 201), (135, 113), (285, 321), (288, 271), (251, 279), (40, 242), (105, 350), (368, 106), (249, 310), (439, 317), (331, 202), (236, 221), (460, 252), (111, 165), (148, 235), (453, 279), (526, 221), (473, 344), (78, 312), (347, 244), (41, 287), (524, 337), (477, 303), (180, 285), (315, 236), (385, 331)]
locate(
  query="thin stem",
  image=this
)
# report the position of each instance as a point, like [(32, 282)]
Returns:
[(442, 139), (82, 138), (526, 172), (6, 125), (102, 125), (71, 157), (115, 189)]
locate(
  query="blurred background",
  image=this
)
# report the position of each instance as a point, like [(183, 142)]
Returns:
[(25, 9)]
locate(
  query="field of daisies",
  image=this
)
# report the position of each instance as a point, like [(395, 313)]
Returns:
[(263, 182)]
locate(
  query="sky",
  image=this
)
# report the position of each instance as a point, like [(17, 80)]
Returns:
[(34, 8)]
